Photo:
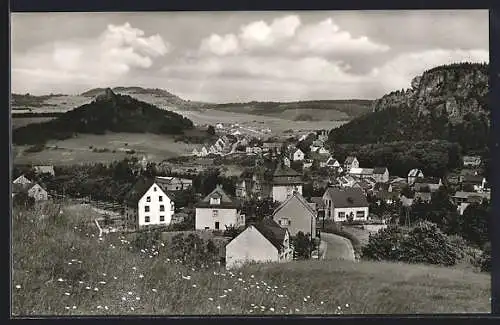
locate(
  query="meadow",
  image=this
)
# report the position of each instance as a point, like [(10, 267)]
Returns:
[(61, 267)]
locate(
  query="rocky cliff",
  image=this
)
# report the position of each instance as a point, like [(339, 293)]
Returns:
[(453, 90)]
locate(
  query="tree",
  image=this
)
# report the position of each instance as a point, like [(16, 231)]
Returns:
[(303, 245), (383, 245), (23, 200), (211, 130), (473, 225)]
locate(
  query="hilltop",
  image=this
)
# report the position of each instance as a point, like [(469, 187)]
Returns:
[(59, 262), (107, 112), (447, 102)]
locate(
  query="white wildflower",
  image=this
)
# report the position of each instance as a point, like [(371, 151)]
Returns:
[(218, 307), (67, 307), (297, 310), (18, 286), (322, 302), (154, 290), (130, 292), (347, 305), (230, 290), (137, 298), (69, 263), (188, 277), (74, 307), (88, 288), (271, 309), (60, 280), (115, 278), (80, 282), (305, 299), (124, 298), (134, 268), (96, 289), (67, 293), (194, 285), (223, 296), (102, 282), (99, 307), (104, 274), (211, 299), (132, 308)]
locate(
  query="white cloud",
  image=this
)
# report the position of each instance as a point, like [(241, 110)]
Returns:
[(326, 37), (398, 72), (89, 61), (220, 45)]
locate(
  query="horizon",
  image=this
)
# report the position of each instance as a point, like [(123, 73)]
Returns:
[(239, 57)]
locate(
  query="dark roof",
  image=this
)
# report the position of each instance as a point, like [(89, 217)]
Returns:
[(284, 175), (384, 195), (272, 231), (138, 190), (472, 179), (226, 202), (347, 197), (282, 170), (427, 180), (379, 170), (318, 200)]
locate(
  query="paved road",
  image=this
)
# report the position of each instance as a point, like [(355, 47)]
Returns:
[(338, 247)]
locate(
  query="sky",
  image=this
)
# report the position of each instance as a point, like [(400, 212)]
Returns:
[(241, 56)]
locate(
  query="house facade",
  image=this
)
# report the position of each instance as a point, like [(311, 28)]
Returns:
[(264, 242), (38, 193), (154, 207), (217, 210), (361, 173), (298, 155), (350, 162), (296, 214), (285, 182), (21, 180), (345, 204), (381, 174), (174, 183), (413, 175), (471, 161), (44, 170)]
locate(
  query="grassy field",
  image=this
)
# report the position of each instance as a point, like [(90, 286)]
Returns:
[(17, 122), (77, 149), (60, 267)]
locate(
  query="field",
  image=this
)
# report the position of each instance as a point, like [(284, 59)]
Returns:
[(17, 122), (77, 149), (60, 267)]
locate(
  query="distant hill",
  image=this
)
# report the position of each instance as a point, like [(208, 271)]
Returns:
[(447, 102), (107, 112), (301, 110)]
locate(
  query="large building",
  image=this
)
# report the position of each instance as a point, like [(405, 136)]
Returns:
[(218, 211), (286, 181), (149, 204), (296, 214)]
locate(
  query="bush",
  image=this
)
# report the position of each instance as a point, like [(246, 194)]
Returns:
[(423, 244), (193, 251), (485, 260), (23, 200), (303, 245)]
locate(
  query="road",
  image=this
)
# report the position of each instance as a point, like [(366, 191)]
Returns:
[(337, 247)]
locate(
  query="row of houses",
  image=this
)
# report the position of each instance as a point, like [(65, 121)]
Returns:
[(223, 144), (34, 190)]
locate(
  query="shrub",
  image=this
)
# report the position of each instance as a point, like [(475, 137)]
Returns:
[(303, 245), (23, 200), (485, 260), (383, 245)]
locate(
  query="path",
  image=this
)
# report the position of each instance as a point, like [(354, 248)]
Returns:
[(338, 247)]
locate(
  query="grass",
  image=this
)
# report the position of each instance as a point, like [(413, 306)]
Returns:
[(60, 267)]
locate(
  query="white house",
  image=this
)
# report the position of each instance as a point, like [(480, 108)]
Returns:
[(345, 204), (361, 172), (413, 175), (204, 152), (170, 183), (307, 163), (217, 210), (314, 148), (21, 180), (285, 182), (323, 151), (195, 152), (263, 242), (37, 192), (298, 155), (464, 199), (286, 161), (44, 170), (471, 161), (350, 162)]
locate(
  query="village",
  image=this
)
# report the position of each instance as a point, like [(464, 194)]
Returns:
[(343, 193)]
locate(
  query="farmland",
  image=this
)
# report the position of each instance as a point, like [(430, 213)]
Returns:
[(62, 268)]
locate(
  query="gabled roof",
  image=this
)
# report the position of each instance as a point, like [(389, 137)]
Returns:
[(286, 175), (226, 202), (380, 170), (349, 159), (272, 232), (139, 189), (414, 172), (300, 199), (347, 197)]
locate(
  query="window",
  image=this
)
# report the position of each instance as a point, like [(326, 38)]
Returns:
[(341, 215), (148, 199), (215, 200), (162, 207), (162, 218), (160, 198), (207, 227), (146, 219), (360, 214), (146, 208), (217, 225), (215, 213), (154, 188), (285, 222)]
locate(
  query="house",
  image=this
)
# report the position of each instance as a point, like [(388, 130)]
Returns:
[(217, 210), (252, 184), (477, 183), (285, 182), (361, 173), (44, 170), (149, 203), (21, 180), (323, 135), (307, 164), (345, 204), (298, 155), (212, 150), (272, 146), (195, 152), (382, 187), (350, 162), (365, 185), (204, 152), (286, 161), (387, 197), (471, 161), (464, 199), (319, 206), (333, 163), (296, 214), (219, 126), (262, 242), (33, 190), (323, 151), (381, 174), (431, 183), (174, 183), (346, 181), (413, 175), (423, 196), (313, 148)]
